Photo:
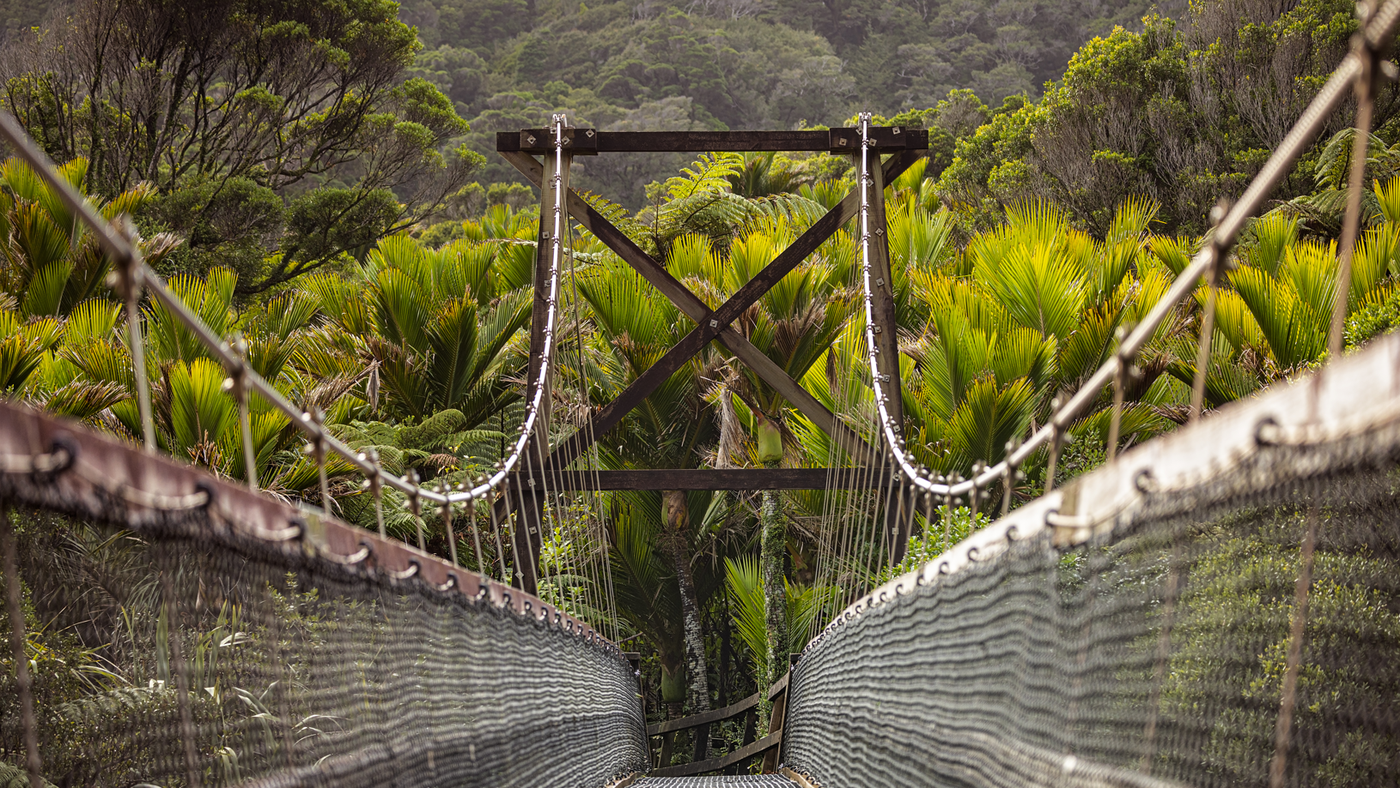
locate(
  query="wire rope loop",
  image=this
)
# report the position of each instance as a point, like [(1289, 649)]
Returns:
[(1145, 482), (448, 584), (211, 493), (354, 559), (199, 499), (414, 567), (1268, 432), (296, 531), (44, 468)]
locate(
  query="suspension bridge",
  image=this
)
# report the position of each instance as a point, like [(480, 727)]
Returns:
[(1213, 607)]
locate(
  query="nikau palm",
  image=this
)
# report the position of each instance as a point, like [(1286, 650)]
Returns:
[(666, 431), (432, 326)]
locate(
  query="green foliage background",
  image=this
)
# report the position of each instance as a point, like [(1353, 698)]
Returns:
[(1076, 149)]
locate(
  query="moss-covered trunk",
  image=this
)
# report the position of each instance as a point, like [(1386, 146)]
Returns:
[(677, 526), (773, 552)]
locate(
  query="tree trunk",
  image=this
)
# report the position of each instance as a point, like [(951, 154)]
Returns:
[(697, 678), (772, 550)]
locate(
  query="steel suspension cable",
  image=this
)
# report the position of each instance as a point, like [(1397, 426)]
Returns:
[(828, 530), (877, 380), (604, 590)]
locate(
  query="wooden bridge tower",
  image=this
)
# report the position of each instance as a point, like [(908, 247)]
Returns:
[(902, 146)]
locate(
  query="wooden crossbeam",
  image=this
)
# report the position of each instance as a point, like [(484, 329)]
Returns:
[(704, 479), (583, 142), (711, 325)]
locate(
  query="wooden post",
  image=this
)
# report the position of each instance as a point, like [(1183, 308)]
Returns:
[(664, 759), (530, 504), (9, 566), (529, 518), (778, 694), (897, 521)]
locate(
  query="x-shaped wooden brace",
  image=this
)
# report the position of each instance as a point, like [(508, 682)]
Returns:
[(709, 324)]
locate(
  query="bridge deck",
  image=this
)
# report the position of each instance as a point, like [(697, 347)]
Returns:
[(743, 781)]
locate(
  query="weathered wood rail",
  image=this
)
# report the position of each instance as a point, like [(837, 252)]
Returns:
[(768, 747)]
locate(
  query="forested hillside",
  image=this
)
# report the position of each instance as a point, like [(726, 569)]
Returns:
[(739, 64), (751, 63), (715, 64)]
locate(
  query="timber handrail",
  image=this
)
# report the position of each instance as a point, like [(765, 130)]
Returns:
[(767, 746), (779, 686), (714, 764), (720, 714), (704, 718)]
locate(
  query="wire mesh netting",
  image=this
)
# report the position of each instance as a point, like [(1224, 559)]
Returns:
[(181, 653), (1158, 655)]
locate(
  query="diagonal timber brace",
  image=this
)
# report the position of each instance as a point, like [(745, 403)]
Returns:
[(710, 324)]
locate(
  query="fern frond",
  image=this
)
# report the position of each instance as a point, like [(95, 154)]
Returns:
[(798, 211), (711, 172), (616, 215)]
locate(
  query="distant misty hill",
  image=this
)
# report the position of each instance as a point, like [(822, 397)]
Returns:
[(753, 63), (737, 64)]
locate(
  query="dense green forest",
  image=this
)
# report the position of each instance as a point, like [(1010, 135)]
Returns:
[(318, 178), (738, 64), (745, 64)]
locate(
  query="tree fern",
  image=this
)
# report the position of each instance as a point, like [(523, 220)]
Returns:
[(794, 209), (710, 173)]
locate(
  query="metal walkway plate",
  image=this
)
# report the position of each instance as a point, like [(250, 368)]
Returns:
[(743, 781)]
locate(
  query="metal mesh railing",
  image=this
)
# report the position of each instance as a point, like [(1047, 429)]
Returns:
[(1235, 624), (198, 634)]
